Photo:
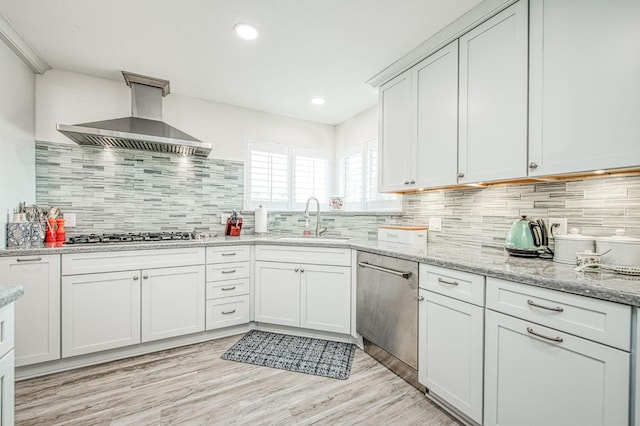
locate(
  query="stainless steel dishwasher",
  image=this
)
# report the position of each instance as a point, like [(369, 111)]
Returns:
[(387, 312)]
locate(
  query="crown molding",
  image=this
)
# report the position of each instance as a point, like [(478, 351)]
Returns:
[(460, 26), (21, 47)]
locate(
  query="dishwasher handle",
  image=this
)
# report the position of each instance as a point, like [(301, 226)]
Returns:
[(402, 274)]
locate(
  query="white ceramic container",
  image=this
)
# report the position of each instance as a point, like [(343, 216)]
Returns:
[(403, 234), (624, 251), (567, 246)]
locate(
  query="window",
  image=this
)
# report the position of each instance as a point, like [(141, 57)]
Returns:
[(358, 180), (282, 177)]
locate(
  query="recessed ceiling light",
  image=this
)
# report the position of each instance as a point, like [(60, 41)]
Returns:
[(317, 101), (246, 31)]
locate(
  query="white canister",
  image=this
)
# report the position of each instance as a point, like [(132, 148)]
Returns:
[(261, 221), (619, 250), (566, 246)]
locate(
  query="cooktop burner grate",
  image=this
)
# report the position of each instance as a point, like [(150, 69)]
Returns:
[(129, 237)]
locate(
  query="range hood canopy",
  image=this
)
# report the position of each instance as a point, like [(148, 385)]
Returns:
[(144, 130)]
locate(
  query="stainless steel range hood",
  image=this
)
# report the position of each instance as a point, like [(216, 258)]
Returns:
[(144, 130)]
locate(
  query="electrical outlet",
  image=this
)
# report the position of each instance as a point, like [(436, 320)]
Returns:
[(562, 225), (223, 220), (435, 224), (70, 220)]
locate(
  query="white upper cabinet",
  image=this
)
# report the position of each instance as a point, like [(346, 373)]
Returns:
[(493, 98), (395, 137), (435, 162), (585, 85)]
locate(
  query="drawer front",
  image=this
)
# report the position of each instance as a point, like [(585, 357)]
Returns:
[(227, 312), (313, 255), (227, 288), (225, 254), (459, 285), (597, 320), (129, 260), (7, 335), (228, 271)]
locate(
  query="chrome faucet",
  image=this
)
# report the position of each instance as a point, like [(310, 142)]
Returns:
[(306, 215)]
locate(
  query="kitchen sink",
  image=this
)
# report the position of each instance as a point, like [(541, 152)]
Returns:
[(313, 239)]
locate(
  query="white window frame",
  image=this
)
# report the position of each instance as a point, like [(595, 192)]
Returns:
[(291, 152)]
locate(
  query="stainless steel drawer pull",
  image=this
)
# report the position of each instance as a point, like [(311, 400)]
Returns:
[(420, 298), (402, 274), (548, 308), (228, 254), (31, 259), (228, 312), (228, 288), (443, 281), (230, 271), (553, 339)]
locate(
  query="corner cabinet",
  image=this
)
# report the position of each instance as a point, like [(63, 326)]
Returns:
[(308, 295), (37, 313), (584, 85), (493, 98)]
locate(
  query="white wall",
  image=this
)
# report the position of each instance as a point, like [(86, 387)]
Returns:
[(17, 161), (71, 98), (358, 129)]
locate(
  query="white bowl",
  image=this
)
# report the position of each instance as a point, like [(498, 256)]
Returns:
[(567, 246), (624, 251)]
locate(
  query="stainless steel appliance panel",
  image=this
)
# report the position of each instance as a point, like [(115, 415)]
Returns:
[(387, 305)]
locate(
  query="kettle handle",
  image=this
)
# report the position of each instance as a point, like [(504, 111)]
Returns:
[(536, 233)]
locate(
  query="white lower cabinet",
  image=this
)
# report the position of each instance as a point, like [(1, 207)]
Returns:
[(450, 338), (536, 375), (303, 295), (227, 312), (37, 313), (7, 361), (173, 302), (100, 311)]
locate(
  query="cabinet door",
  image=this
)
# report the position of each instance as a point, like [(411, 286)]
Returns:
[(277, 287), (173, 302), (396, 139), (7, 389), (325, 298), (584, 91), (100, 311), (450, 351), (531, 380), (436, 106), (37, 313), (493, 98)]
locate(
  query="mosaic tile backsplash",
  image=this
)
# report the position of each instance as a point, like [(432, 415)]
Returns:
[(132, 191)]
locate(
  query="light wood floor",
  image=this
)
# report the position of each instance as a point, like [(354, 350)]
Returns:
[(193, 386)]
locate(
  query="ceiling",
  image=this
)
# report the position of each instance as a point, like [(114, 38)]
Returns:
[(306, 48)]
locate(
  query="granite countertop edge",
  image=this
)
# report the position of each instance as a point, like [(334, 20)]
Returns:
[(489, 262), (9, 294)]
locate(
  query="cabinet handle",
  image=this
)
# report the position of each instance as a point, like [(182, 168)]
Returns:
[(548, 308), (440, 280), (296, 270), (230, 271), (412, 181), (30, 259), (406, 182), (460, 175), (229, 254), (533, 165), (553, 339), (228, 288), (136, 278), (301, 269), (145, 276), (420, 298), (228, 312)]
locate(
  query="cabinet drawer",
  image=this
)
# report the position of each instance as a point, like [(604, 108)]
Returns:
[(129, 260), (227, 288), (314, 255), (459, 285), (228, 271), (6, 329), (226, 254), (597, 320), (227, 312)]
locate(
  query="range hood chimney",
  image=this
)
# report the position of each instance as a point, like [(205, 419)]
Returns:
[(144, 130)]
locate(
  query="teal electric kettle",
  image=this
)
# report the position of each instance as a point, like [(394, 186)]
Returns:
[(527, 238)]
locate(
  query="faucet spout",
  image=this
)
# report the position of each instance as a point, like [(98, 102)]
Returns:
[(306, 213)]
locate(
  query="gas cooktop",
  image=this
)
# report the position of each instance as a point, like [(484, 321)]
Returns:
[(129, 238)]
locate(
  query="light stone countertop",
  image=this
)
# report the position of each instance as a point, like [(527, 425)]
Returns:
[(490, 262), (10, 293)]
